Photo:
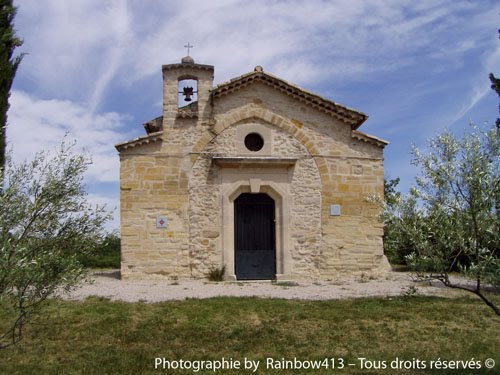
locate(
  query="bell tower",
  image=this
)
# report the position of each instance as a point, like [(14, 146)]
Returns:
[(186, 91)]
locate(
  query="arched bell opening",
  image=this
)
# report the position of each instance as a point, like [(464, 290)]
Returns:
[(187, 92)]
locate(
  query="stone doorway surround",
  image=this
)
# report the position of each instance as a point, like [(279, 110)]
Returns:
[(255, 237), (271, 176)]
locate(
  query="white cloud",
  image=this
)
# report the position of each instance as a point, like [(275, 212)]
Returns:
[(72, 46), (76, 49), (234, 34), (112, 205), (79, 50), (116, 54), (481, 86), (36, 124)]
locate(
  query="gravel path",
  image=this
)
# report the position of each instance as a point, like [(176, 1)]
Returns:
[(107, 284)]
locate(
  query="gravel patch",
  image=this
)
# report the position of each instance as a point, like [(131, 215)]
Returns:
[(108, 285)]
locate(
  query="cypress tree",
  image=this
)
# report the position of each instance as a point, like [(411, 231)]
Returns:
[(8, 67)]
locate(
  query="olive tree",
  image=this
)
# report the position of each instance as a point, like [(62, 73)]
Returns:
[(45, 223), (399, 219), (454, 211)]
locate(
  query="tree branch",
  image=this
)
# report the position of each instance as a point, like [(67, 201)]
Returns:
[(446, 281)]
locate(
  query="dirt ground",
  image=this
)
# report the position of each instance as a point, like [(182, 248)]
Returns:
[(107, 283)]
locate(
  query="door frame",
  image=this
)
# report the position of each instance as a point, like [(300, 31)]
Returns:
[(265, 219), (231, 191)]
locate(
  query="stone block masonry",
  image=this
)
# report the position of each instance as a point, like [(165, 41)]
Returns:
[(192, 168)]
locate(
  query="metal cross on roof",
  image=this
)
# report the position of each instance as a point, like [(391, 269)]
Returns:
[(188, 46)]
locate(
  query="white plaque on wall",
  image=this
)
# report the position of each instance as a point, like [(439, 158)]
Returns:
[(335, 210)]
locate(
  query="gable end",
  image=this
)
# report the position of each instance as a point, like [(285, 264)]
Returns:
[(347, 115)]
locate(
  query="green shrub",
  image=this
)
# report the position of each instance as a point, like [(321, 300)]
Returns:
[(105, 255), (216, 273)]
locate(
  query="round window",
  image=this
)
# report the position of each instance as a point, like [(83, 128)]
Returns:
[(254, 142)]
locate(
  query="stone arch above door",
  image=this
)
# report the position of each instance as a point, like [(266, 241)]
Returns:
[(222, 172), (250, 112)]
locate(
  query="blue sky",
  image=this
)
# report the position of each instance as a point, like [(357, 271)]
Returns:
[(93, 68)]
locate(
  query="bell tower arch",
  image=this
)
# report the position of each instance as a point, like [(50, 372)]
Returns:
[(186, 90)]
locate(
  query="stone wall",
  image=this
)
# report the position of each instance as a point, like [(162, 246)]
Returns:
[(303, 185), (151, 185), (178, 178), (350, 170)]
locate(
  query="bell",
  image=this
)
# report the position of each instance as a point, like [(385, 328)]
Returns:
[(187, 92)]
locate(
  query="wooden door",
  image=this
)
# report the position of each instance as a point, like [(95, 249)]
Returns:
[(255, 237)]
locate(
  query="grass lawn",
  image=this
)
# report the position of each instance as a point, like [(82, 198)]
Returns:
[(102, 337)]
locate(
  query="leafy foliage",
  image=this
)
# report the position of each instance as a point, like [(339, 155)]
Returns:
[(391, 195), (399, 217), (451, 219), (460, 191), (495, 85), (45, 223), (8, 67), (105, 255), (398, 221), (216, 273)]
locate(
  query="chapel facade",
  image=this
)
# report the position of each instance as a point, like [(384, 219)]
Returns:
[(256, 175)]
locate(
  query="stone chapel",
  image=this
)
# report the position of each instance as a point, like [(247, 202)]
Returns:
[(255, 174)]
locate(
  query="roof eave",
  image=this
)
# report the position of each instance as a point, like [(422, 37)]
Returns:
[(369, 138), (145, 139)]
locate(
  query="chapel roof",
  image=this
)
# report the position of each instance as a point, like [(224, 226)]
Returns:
[(348, 115), (143, 140), (352, 117)]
